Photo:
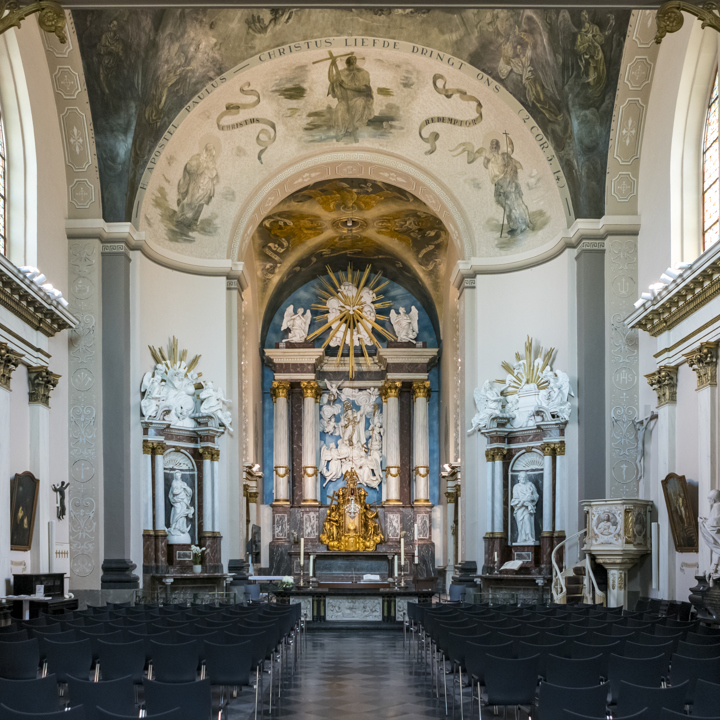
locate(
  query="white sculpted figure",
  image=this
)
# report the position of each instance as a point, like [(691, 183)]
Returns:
[(555, 397), (214, 402), (405, 324), (155, 392), (489, 402), (297, 323), (180, 496), (524, 500), (330, 463), (710, 531)]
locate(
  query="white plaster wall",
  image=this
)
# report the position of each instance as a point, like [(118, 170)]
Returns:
[(193, 309), (539, 302)]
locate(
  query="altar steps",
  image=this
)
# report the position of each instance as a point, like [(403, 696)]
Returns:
[(342, 625)]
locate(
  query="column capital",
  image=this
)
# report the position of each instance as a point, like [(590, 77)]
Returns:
[(450, 496), (495, 454), (42, 382), (252, 496), (206, 453), (9, 360), (664, 382), (147, 447), (310, 388), (390, 389), (703, 361), (547, 449), (158, 448), (215, 454), (421, 389), (279, 389)]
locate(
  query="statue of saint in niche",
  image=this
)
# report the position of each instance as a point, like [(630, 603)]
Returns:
[(180, 497), (524, 500)]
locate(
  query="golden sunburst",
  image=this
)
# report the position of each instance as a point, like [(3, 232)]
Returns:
[(530, 370)]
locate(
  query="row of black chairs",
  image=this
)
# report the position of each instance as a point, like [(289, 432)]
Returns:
[(157, 658), (535, 657)]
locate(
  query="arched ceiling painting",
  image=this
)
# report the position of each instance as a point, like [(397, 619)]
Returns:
[(143, 66), (367, 222)]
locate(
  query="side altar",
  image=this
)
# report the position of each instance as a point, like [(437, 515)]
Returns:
[(351, 493)]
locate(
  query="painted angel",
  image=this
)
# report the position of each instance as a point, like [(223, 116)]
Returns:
[(405, 324), (297, 323)]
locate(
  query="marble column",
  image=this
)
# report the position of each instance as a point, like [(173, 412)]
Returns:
[(560, 489), (41, 382), (421, 443), (498, 505), (547, 508), (311, 390), (206, 453), (451, 529), (664, 382), (490, 488), (390, 393), (148, 533), (703, 360), (215, 488), (9, 360), (158, 451), (281, 448)]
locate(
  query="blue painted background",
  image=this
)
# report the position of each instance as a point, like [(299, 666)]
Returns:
[(304, 297)]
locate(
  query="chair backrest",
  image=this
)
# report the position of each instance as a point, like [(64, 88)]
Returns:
[(648, 672), (31, 696), (695, 638), (17, 636), (707, 698), (700, 651), (574, 672), (69, 658), (553, 699), (693, 669), (174, 714), (511, 682), (633, 698), (176, 663), (19, 660), (671, 715), (118, 660), (228, 664), (116, 695), (193, 698), (642, 715), (76, 713)]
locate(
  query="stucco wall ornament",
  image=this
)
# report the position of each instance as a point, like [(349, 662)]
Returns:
[(532, 391), (51, 17), (173, 391), (670, 18)]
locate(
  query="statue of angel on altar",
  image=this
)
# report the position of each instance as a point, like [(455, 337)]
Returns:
[(297, 323), (489, 402), (405, 324)]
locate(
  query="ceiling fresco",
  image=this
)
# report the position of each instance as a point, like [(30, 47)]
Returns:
[(331, 221), (143, 66)]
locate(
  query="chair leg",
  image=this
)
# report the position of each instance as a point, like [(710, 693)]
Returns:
[(479, 702), (462, 702), (444, 684)]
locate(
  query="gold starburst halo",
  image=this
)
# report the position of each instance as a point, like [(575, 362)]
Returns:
[(528, 370), (348, 310)]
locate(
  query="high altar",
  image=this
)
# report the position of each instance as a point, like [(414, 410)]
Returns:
[(351, 452)]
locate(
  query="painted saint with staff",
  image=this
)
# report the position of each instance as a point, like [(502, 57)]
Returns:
[(350, 86)]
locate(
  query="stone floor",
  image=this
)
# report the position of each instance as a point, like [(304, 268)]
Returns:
[(354, 675)]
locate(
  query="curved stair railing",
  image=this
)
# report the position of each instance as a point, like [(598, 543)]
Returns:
[(597, 595), (559, 589)]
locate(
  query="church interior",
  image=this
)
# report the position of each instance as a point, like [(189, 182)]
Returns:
[(359, 360)]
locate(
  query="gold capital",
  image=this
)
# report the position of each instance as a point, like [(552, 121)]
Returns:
[(279, 389), (664, 382), (450, 496), (9, 360), (252, 496), (158, 448), (206, 453), (390, 389), (703, 360), (42, 382), (559, 448), (421, 389), (147, 447), (547, 449), (309, 388)]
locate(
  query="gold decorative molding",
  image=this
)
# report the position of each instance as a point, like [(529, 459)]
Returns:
[(390, 389), (703, 361), (310, 388), (422, 471), (9, 360), (309, 471), (42, 382), (421, 389), (279, 389), (392, 471), (669, 17), (664, 382), (51, 16), (282, 471)]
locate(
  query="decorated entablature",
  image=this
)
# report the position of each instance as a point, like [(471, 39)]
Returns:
[(523, 417), (183, 418)]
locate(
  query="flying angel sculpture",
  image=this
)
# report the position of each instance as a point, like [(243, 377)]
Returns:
[(405, 324), (297, 323)]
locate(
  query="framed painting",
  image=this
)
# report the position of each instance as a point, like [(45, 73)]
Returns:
[(683, 522), (24, 489)]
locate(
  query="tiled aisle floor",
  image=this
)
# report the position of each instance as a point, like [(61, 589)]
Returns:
[(354, 675)]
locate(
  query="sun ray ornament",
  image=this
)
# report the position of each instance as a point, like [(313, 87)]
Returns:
[(349, 312)]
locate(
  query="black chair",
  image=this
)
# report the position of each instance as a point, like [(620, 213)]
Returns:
[(553, 699), (648, 672), (691, 637), (176, 663), (525, 650), (642, 715), (77, 713), (30, 696), (693, 669), (19, 660), (17, 636), (700, 651), (646, 639), (174, 714), (228, 666), (639, 650), (581, 651), (707, 630), (110, 695), (193, 698), (670, 715), (633, 698), (95, 637), (574, 672), (118, 660), (511, 682), (707, 698), (69, 658)]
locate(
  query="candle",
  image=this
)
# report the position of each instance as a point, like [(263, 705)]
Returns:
[(396, 567), (402, 551), (302, 553), (312, 558), (496, 557), (416, 532)]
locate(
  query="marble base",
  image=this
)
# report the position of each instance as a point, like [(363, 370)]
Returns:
[(212, 557), (354, 608), (117, 574)]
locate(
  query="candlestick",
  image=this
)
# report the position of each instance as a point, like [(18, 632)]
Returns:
[(402, 551), (302, 552), (312, 562)]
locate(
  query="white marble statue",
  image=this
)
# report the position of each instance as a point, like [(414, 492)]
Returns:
[(297, 323), (180, 497), (554, 398), (524, 500), (710, 531), (489, 403), (330, 463), (214, 402), (405, 324)]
